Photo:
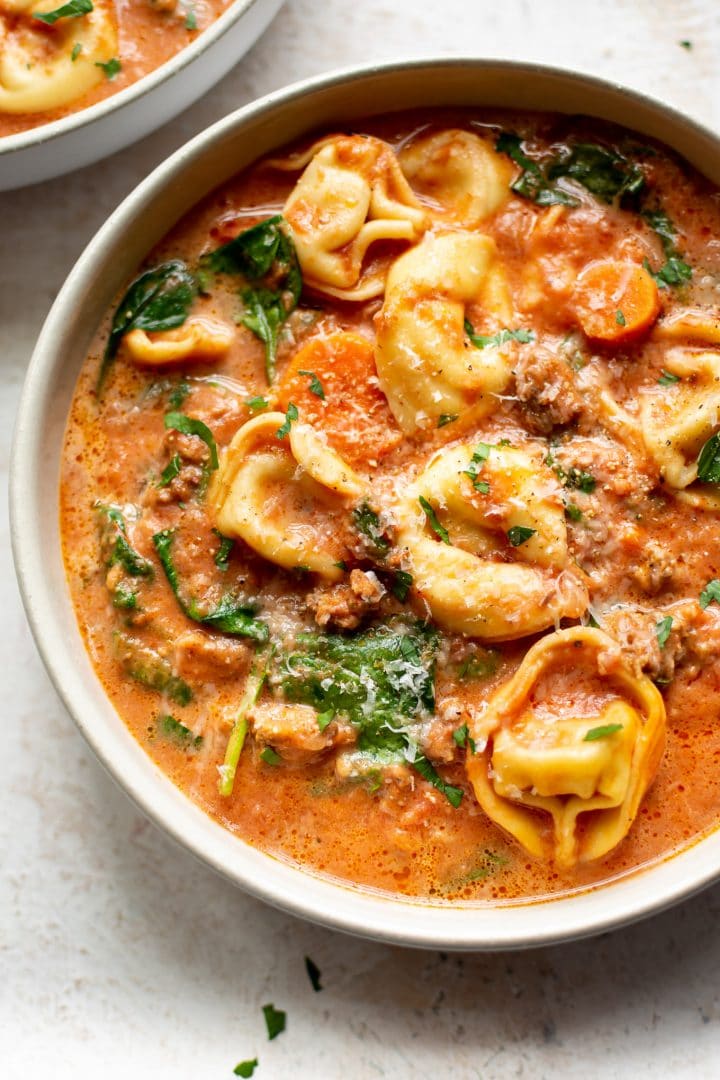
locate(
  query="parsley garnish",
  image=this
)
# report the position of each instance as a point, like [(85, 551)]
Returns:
[(709, 461), (446, 418), (481, 341), (601, 732), (76, 50), (179, 732), (480, 455), (685, 44), (290, 417), (367, 522), (274, 1020), (325, 719), (270, 757), (519, 534), (433, 522), (246, 1068), (221, 556), (667, 378), (710, 593), (573, 512), (401, 583), (313, 972), (462, 738), (70, 10), (256, 404), (619, 318), (675, 270), (316, 387), (191, 24), (119, 549), (662, 629), (112, 68)]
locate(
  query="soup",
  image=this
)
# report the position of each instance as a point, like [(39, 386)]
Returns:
[(389, 505), (57, 58)]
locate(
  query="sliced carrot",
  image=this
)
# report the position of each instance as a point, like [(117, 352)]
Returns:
[(615, 301), (333, 382)]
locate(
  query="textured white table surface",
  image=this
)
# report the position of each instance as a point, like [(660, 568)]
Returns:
[(122, 956)]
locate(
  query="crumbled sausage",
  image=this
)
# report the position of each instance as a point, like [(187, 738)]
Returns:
[(292, 730), (656, 568), (200, 657), (545, 384), (345, 604)]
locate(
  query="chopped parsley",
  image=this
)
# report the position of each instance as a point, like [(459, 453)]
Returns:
[(662, 629), (479, 666), (112, 68), (480, 455), (667, 378), (274, 1020), (685, 44), (462, 738), (520, 534), (710, 594), (367, 521), (446, 418), (601, 732), (619, 318), (191, 24), (256, 404), (270, 757), (481, 341), (76, 50), (221, 556), (433, 522), (246, 1068), (290, 417), (71, 10), (325, 719), (316, 387), (573, 512), (709, 461), (313, 972), (401, 584)]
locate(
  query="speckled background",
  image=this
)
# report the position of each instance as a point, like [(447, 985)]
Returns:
[(120, 956)]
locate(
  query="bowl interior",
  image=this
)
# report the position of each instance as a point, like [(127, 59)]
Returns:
[(110, 259)]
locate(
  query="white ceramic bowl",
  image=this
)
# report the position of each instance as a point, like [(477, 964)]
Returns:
[(108, 261), (123, 118)]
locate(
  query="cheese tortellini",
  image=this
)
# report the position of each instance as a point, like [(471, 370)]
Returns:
[(351, 195), (46, 67), (678, 419), (584, 757), (425, 363), (199, 338), (469, 584), (281, 495), (461, 172)]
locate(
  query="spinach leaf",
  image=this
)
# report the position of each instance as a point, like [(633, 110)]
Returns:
[(710, 594), (290, 417), (381, 680), (230, 616), (428, 772), (401, 584), (264, 253), (159, 299), (433, 521), (179, 733), (367, 522), (601, 171), (150, 669), (709, 461), (675, 271), (221, 556), (188, 425), (171, 470), (118, 549), (71, 10), (532, 183), (662, 630)]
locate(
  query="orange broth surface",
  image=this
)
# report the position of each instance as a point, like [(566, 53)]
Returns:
[(391, 829), (149, 34)]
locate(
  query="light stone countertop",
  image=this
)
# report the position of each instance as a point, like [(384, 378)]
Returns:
[(120, 955)]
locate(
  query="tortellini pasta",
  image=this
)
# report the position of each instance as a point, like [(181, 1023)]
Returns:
[(351, 195), (461, 172), (199, 338), (469, 584), (678, 419), (46, 67), (426, 366), (585, 759), (279, 494)]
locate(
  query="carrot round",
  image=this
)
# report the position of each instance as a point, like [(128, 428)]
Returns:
[(333, 382), (615, 301)]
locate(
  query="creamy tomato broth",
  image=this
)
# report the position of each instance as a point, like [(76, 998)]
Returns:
[(57, 58), (390, 503)]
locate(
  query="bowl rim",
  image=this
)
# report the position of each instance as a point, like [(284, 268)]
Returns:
[(125, 98), (338, 905)]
